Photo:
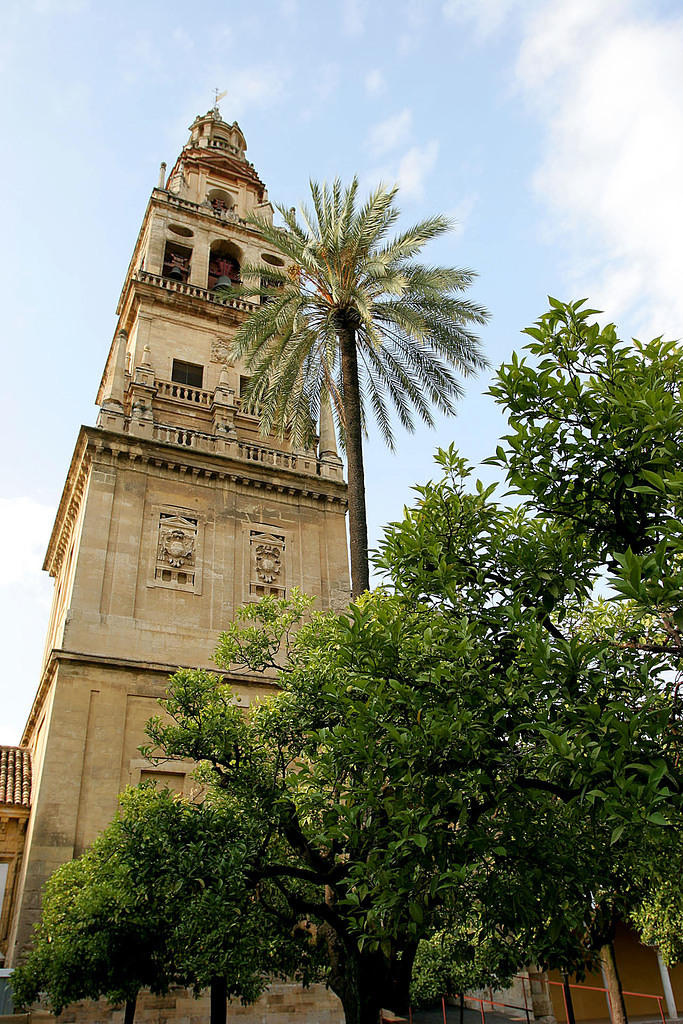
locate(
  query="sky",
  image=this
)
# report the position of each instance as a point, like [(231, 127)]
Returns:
[(551, 131)]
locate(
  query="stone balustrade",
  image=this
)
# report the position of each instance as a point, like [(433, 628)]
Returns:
[(268, 456), (193, 290), (245, 451), (183, 392), (185, 437), (187, 204), (217, 143)]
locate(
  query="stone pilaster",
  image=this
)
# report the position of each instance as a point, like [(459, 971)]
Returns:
[(111, 414)]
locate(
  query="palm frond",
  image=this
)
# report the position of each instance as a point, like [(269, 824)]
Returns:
[(414, 331)]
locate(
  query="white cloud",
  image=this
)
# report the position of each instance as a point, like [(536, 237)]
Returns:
[(375, 83), (487, 16), (559, 34), (412, 19), (409, 172), (605, 79), (612, 165), (389, 134), (257, 86), (353, 17), (414, 167), (461, 212)]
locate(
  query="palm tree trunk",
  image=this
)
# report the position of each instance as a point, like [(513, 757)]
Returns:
[(358, 520)]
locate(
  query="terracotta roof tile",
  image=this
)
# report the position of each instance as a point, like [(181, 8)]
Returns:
[(15, 776)]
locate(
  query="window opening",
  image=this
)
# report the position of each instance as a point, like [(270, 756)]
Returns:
[(274, 261), (187, 373), (224, 264), (268, 282), (177, 262), (224, 270), (220, 200)]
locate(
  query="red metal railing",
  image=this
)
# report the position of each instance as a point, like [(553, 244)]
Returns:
[(525, 1008), (599, 988), (492, 1002), (468, 999)]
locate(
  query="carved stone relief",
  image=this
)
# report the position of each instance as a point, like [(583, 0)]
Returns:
[(176, 551), (266, 563), (176, 546), (220, 350)]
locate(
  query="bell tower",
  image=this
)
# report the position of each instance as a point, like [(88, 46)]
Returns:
[(175, 511)]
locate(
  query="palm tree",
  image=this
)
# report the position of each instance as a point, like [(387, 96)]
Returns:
[(352, 320)]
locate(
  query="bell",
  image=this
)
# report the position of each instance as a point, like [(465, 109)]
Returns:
[(175, 273), (223, 282)]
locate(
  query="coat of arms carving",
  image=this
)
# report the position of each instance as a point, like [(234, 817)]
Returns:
[(220, 350), (177, 554), (267, 574), (177, 540), (176, 546), (268, 562)]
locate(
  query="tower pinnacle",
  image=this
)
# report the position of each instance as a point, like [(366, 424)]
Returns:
[(218, 98)]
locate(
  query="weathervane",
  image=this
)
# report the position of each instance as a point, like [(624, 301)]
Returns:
[(219, 97)]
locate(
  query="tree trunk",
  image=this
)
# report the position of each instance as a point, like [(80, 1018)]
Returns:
[(613, 983), (571, 1019), (219, 1001), (367, 982), (129, 1011), (541, 1003), (358, 521)]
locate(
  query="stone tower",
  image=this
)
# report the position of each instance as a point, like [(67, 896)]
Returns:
[(174, 513)]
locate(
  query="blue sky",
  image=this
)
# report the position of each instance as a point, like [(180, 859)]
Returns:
[(551, 130)]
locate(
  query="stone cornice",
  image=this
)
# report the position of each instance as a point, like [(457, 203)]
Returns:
[(69, 505), (176, 458), (59, 655), (221, 160), (188, 299), (43, 687), (166, 457), (159, 667)]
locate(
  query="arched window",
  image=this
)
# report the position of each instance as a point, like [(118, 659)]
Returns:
[(224, 265), (220, 200)]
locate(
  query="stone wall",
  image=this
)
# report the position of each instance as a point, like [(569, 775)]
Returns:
[(280, 1004)]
